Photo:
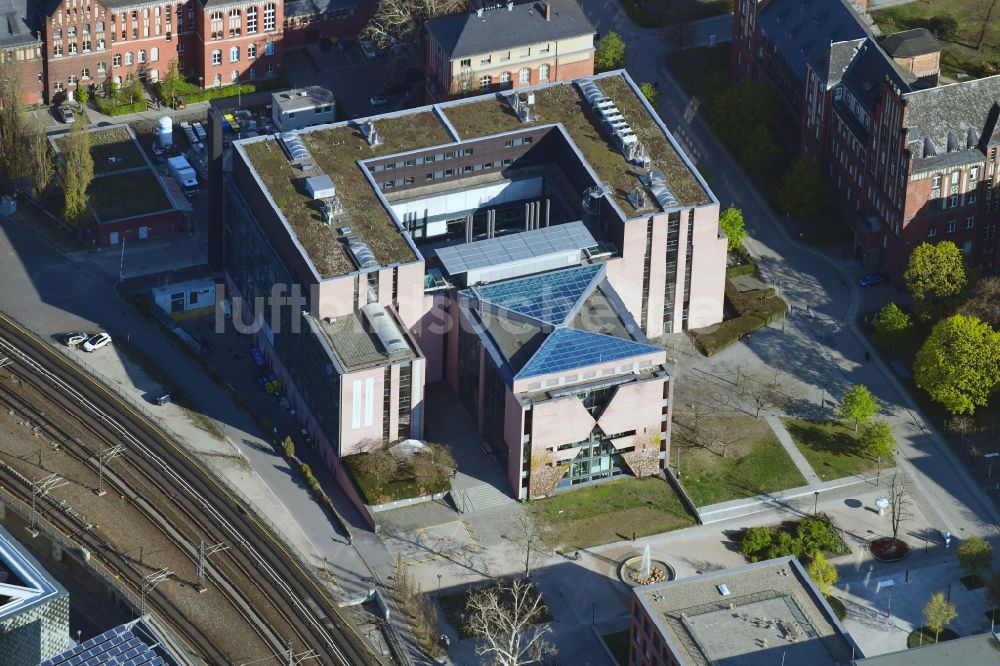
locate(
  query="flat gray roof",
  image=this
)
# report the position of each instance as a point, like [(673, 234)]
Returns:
[(355, 346), (465, 257), (302, 98), (970, 650), (769, 608)]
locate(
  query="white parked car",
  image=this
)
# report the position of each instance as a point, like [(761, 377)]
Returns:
[(96, 342), (74, 339)]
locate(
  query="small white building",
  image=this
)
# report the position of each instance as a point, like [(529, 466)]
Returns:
[(302, 107), (185, 296)]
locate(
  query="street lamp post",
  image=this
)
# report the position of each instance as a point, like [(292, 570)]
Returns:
[(878, 470), (439, 585), (815, 502)]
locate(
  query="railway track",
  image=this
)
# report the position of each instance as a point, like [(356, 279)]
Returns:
[(209, 512)]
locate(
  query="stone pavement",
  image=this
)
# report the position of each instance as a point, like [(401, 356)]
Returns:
[(793, 452)]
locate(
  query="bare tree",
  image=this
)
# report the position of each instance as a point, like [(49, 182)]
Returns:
[(523, 533), (982, 13), (503, 618), (430, 463), (899, 502), (11, 122), (760, 389), (467, 81), (399, 23), (962, 425), (679, 36)]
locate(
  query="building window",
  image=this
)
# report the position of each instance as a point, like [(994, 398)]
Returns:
[(524, 76), (235, 75), (970, 222), (543, 73), (484, 82), (71, 31), (217, 57), (72, 48), (154, 54), (180, 49), (116, 60), (251, 51), (71, 79), (102, 68), (974, 173), (234, 54), (487, 60), (58, 86), (269, 69), (57, 50), (269, 51), (504, 57), (951, 226), (101, 44), (251, 20), (932, 232), (142, 56), (217, 80), (504, 77), (544, 49), (955, 175), (269, 17), (85, 73), (970, 198), (466, 63), (86, 45), (234, 21), (953, 201), (216, 24), (57, 34), (86, 28), (128, 59)]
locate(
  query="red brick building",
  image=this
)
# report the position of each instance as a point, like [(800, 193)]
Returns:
[(21, 43), (508, 46), (909, 161), (215, 42)]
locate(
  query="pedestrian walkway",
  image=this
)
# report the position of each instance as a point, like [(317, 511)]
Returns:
[(793, 451)]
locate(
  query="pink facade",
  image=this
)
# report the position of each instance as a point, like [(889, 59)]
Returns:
[(708, 275)]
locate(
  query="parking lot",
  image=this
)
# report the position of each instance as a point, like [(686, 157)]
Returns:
[(353, 78)]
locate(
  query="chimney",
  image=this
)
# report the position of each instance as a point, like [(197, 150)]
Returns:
[(548, 11)]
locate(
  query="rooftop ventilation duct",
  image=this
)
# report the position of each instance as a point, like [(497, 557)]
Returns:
[(662, 193), (613, 122), (385, 329)]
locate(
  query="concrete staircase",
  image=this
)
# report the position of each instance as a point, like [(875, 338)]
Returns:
[(478, 498)]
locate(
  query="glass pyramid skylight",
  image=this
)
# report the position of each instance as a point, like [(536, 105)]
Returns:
[(548, 297), (569, 348)]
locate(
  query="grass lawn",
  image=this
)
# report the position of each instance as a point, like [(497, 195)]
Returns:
[(831, 448), (753, 464), (958, 53), (618, 644), (609, 511), (127, 194)]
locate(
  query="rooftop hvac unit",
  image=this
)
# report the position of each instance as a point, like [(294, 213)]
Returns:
[(320, 187), (524, 106), (612, 120), (371, 134), (385, 329)]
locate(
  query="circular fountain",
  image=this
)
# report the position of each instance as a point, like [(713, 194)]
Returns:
[(643, 570)]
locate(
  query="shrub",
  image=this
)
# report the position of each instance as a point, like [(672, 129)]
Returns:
[(288, 446), (192, 93), (755, 539), (818, 536)]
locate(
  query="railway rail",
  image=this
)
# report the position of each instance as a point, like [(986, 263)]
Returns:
[(210, 512)]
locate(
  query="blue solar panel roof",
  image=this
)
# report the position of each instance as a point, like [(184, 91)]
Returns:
[(548, 298), (115, 647), (569, 348)]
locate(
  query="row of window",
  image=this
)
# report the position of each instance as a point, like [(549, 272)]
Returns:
[(335, 15), (466, 63), (951, 226), (427, 159), (235, 22), (73, 79), (447, 173), (524, 77), (234, 53)]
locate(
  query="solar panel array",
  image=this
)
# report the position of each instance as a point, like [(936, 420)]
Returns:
[(548, 297), (462, 258), (115, 647), (569, 348)]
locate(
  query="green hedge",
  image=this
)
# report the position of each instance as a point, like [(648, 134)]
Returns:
[(756, 309), (192, 93), (743, 269), (108, 107)]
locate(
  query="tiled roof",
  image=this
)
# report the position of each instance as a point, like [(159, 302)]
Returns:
[(868, 70), (16, 22), (911, 43), (462, 35), (946, 121), (839, 59), (803, 31)]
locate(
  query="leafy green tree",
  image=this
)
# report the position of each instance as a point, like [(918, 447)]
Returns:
[(759, 152), (959, 364), (784, 545), (975, 555), (168, 85), (822, 573), (650, 92), (755, 540), (804, 191), (37, 155), (858, 405), (817, 536), (610, 53), (733, 226), (742, 107), (76, 172), (11, 121), (135, 91), (82, 95), (892, 326), (935, 274), (938, 613), (877, 439)]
